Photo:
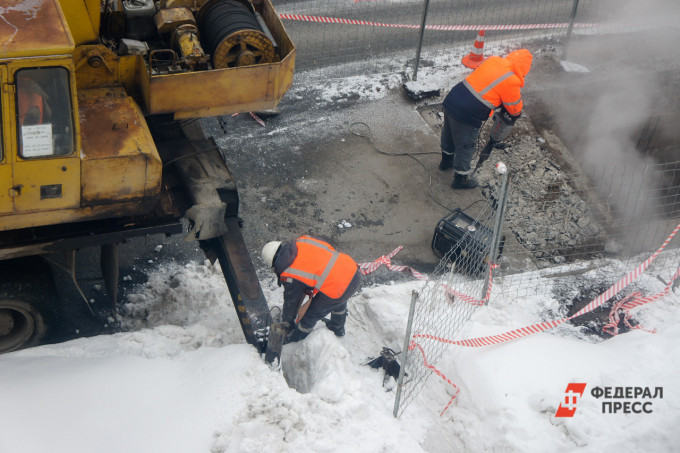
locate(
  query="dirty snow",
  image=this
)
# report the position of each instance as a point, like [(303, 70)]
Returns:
[(184, 381)]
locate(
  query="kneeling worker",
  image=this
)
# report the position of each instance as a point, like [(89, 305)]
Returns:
[(309, 266)]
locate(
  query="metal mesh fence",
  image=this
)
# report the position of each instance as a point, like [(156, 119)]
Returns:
[(619, 212), (458, 286), (331, 32), (328, 33), (580, 240), (523, 21)]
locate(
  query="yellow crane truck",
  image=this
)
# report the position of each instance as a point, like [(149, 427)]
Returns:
[(100, 142)]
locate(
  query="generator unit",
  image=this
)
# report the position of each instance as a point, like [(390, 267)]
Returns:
[(465, 241)]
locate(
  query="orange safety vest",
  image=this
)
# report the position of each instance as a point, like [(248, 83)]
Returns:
[(29, 98), (498, 81), (321, 267)]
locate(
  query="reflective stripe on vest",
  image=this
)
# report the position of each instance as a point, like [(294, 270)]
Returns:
[(480, 95), (334, 288), (319, 279), (490, 86), (496, 83)]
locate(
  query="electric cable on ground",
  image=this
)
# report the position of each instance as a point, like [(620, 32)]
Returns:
[(369, 136)]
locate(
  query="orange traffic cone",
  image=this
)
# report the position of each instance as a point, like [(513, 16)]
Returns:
[(476, 56)]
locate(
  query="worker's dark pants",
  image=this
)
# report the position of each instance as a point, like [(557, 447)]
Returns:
[(321, 305), (459, 139)]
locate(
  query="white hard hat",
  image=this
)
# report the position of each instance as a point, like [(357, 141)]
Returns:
[(269, 252)]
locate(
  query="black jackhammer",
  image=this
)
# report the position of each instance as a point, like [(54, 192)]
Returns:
[(502, 125)]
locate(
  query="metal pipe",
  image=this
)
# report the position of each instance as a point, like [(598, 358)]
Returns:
[(571, 26), (404, 352), (420, 40)]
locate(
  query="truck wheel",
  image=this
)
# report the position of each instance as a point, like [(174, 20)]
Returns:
[(28, 308)]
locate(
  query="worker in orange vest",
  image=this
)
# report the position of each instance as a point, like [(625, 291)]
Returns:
[(310, 267), (33, 108), (496, 83)]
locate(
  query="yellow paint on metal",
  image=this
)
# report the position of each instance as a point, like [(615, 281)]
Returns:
[(6, 193), (28, 32), (191, 4), (54, 217), (220, 92), (6, 184), (96, 66), (243, 48), (120, 159), (189, 44), (167, 20), (83, 17), (47, 184), (116, 157), (224, 91)]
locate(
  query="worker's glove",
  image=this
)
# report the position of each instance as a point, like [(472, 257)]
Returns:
[(507, 118)]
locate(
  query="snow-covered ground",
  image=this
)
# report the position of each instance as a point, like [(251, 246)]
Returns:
[(184, 381)]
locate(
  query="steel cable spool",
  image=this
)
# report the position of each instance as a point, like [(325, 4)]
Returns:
[(232, 35)]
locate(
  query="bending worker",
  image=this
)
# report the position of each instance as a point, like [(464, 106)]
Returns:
[(310, 267), (495, 83)]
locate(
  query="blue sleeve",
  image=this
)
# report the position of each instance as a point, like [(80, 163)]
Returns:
[(293, 295), (461, 104)]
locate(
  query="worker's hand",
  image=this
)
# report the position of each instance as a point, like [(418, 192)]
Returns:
[(507, 118)]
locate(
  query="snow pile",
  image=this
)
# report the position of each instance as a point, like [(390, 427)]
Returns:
[(186, 384), (194, 297)]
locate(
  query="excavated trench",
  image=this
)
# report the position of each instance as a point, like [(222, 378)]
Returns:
[(563, 204)]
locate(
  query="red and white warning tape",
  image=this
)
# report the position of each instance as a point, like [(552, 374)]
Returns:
[(339, 20), (623, 306), (626, 304), (541, 326), (367, 268), (469, 299), (440, 374), (255, 117)]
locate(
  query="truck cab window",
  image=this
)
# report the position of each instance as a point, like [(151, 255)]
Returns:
[(44, 113)]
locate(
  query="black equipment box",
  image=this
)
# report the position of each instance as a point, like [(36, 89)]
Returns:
[(465, 241)]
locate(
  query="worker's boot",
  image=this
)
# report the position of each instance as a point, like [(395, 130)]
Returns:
[(447, 161), (337, 323), (463, 182), (297, 334)]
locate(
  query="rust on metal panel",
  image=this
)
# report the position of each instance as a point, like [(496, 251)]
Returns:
[(97, 66), (167, 20), (198, 90), (33, 28), (111, 125), (120, 159)]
